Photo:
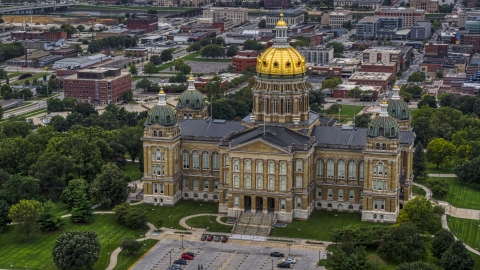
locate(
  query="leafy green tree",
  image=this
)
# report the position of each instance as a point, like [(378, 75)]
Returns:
[(439, 187), (131, 245), (19, 188), (52, 170), (55, 104), (222, 110), (179, 78), (144, 84), (4, 210), (156, 59), (69, 29), (158, 223), (80, 28), (419, 212), (133, 69), (457, 258), (82, 210), (179, 63), (25, 215), (232, 50), (414, 90), (253, 45), (347, 256), (363, 120), (441, 242), (334, 108), (59, 123), (439, 75), (48, 220), (121, 210), (213, 51), (185, 69), (149, 68), (75, 189), (262, 23), (337, 47), (127, 95), (166, 55), (439, 151), (468, 171), (110, 186), (196, 46), (418, 265), (85, 109), (403, 244), (331, 83), (416, 77), (419, 164), (446, 99), (136, 218), (427, 100), (75, 250), (130, 137)]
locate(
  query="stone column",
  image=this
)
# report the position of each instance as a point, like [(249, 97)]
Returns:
[(265, 205), (254, 203)]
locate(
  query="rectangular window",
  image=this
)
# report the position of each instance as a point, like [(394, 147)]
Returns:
[(283, 184), (161, 188), (205, 184), (227, 161), (360, 171), (330, 169), (196, 161), (195, 183), (375, 204), (341, 170), (374, 186), (320, 168), (186, 160), (227, 181), (185, 182), (215, 184), (351, 170), (206, 161), (216, 162)]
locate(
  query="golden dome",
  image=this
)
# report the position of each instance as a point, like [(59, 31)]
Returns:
[(281, 61), (161, 90), (281, 22), (191, 76)]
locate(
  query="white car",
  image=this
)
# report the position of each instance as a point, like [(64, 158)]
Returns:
[(289, 260)]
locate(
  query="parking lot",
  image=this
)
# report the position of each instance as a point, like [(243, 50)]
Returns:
[(235, 254)]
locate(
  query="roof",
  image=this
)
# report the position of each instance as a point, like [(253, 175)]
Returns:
[(422, 24), (333, 136), (208, 129)]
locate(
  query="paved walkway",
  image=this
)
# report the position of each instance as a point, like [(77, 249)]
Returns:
[(446, 175), (183, 221)]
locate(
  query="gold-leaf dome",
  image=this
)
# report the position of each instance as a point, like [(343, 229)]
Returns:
[(281, 22), (281, 61)]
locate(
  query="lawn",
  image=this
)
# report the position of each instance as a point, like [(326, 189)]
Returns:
[(30, 79), (194, 57), (460, 194), (29, 114), (132, 170), (467, 230), (125, 260), (171, 215), (320, 224), (432, 169), (37, 253), (347, 112), (209, 221), (62, 208), (419, 191), (14, 74)]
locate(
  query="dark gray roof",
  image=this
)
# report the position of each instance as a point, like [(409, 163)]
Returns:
[(209, 129), (407, 137), (332, 136)]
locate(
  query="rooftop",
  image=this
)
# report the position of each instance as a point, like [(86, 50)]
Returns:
[(374, 76), (370, 19), (381, 51), (422, 24)]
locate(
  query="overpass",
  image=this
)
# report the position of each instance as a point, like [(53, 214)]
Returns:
[(36, 8)]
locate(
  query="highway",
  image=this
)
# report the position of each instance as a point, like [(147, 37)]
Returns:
[(38, 105), (36, 8)]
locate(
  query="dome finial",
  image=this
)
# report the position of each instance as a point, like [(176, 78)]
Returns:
[(191, 76), (161, 97), (383, 107), (281, 22), (396, 92)]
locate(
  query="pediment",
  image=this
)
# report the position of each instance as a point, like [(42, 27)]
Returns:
[(259, 146)]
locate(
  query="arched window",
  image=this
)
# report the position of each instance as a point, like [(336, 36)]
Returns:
[(185, 195), (259, 166), (382, 204), (275, 105), (205, 184), (350, 207), (259, 183), (190, 116), (227, 161), (320, 168), (158, 155), (380, 168), (248, 182), (329, 205), (271, 167), (377, 146), (215, 197), (319, 192), (340, 207), (298, 182), (298, 165), (330, 193), (196, 160), (248, 165), (352, 170), (283, 184), (162, 188), (236, 165), (236, 182), (205, 196), (351, 194), (283, 168), (299, 201), (154, 133), (160, 134), (155, 188), (216, 161), (330, 169), (384, 146), (236, 201), (271, 184), (227, 178), (283, 204), (375, 204), (185, 182), (168, 120), (340, 194), (360, 170), (206, 160), (374, 216), (195, 195), (185, 116), (288, 103), (341, 169)]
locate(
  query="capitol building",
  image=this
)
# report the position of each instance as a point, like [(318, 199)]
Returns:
[(282, 159)]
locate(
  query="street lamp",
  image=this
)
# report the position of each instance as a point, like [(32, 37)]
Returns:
[(182, 235), (289, 245), (171, 222), (170, 257)]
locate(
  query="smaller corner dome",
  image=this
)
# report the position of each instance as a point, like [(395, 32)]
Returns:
[(191, 99), (384, 126), (162, 115), (398, 109)]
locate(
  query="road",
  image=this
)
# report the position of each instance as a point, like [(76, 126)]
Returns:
[(39, 105)]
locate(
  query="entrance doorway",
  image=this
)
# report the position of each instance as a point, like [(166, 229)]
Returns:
[(271, 205), (248, 203), (259, 204)]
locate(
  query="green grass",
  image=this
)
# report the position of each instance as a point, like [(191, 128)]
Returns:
[(467, 230), (177, 212), (194, 57), (128, 8), (347, 113), (29, 114), (320, 224), (446, 169), (31, 79), (125, 260), (37, 253), (132, 170), (224, 219), (460, 194), (419, 191), (14, 74), (213, 226), (62, 208)]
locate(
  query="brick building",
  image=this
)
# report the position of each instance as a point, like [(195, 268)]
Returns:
[(146, 22), (56, 35), (427, 5), (65, 53), (410, 15), (244, 59), (111, 33), (97, 86), (337, 67), (384, 68), (436, 49), (236, 15), (368, 92), (377, 56), (372, 79), (276, 4), (137, 51), (474, 40), (22, 35)]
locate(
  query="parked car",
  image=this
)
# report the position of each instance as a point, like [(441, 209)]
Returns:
[(204, 237), (283, 265), (276, 254), (180, 261), (289, 260), (186, 256), (224, 239), (216, 238), (190, 253), (209, 238)]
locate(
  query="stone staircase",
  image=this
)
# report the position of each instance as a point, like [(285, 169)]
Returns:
[(254, 224)]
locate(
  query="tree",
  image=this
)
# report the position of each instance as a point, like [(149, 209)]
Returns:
[(19, 188), (85, 109), (127, 95), (156, 59), (49, 220), (4, 210), (441, 242), (80, 28), (347, 256), (121, 211), (439, 75), (144, 83), (69, 29), (232, 51), (457, 258), (130, 137), (196, 46), (75, 250), (185, 69), (213, 51), (158, 223), (439, 187), (262, 24), (414, 90), (419, 265), (402, 244), (253, 45), (419, 165), (331, 83), (337, 47), (166, 55), (25, 214), (133, 69), (427, 100), (334, 108), (52, 170), (439, 151), (110, 186), (131, 245), (416, 77), (363, 120), (149, 68), (419, 212), (136, 218), (446, 99), (348, 25), (152, 11), (82, 210), (355, 92), (75, 189)]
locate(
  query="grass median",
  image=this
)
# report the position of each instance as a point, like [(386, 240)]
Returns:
[(126, 260), (210, 222)]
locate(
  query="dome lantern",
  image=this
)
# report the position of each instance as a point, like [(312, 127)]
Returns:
[(383, 125), (191, 98), (397, 108), (162, 113)]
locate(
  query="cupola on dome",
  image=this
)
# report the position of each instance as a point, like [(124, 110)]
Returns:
[(398, 108), (162, 113), (383, 125)]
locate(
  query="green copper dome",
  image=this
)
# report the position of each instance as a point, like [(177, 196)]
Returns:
[(383, 124), (397, 108), (191, 98), (162, 113)]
